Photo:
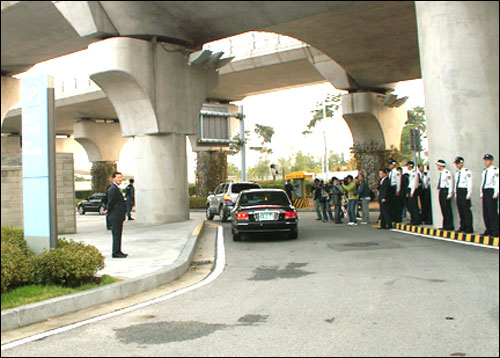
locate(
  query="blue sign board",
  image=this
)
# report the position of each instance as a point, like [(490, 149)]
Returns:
[(38, 150)]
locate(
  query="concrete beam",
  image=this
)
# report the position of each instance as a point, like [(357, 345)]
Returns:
[(102, 141), (88, 18), (370, 120), (11, 94)]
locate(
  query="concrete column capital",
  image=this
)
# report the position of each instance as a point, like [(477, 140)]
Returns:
[(153, 88), (370, 120), (102, 141)]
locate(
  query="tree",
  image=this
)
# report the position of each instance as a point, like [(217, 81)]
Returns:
[(261, 169), (101, 173), (335, 159), (211, 170), (265, 133), (332, 103), (305, 162), (416, 120), (233, 170)]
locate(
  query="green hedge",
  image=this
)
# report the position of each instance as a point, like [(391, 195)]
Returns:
[(17, 266), (70, 264), (197, 202), (82, 194)]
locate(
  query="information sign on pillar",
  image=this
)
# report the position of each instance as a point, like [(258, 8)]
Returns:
[(39, 174)]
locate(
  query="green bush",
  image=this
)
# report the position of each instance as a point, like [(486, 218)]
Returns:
[(14, 236), (197, 202), (193, 190), (17, 259), (71, 264), (82, 194), (16, 267)]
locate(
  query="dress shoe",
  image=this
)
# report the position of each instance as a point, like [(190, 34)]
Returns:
[(119, 255), (131, 218)]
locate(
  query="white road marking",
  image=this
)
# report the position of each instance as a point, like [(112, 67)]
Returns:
[(220, 263)]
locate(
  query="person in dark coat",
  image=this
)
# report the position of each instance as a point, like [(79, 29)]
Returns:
[(337, 199), (289, 189), (116, 212), (130, 196), (105, 202), (383, 199)]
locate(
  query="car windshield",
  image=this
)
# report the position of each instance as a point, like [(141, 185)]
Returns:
[(264, 198), (236, 188)]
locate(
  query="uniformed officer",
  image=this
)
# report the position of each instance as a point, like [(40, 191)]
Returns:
[(445, 187), (395, 203), (413, 183), (489, 194), (463, 191)]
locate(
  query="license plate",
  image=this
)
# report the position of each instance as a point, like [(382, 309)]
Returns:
[(266, 216)]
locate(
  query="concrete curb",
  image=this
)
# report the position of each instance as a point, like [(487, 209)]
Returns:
[(490, 241), (25, 315)]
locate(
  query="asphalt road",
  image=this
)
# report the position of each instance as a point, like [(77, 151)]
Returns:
[(335, 291)]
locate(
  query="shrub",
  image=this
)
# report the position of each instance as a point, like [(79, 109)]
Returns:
[(82, 194), (16, 266), (71, 264), (14, 236), (197, 202)]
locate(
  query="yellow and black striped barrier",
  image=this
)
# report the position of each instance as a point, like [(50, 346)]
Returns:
[(451, 235), (300, 203)]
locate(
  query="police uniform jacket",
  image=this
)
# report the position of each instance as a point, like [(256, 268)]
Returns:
[(395, 179), (413, 182), (463, 180), (489, 180), (446, 181)]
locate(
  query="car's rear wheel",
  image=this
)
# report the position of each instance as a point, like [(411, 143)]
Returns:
[(236, 237), (294, 234), (208, 213), (223, 215), (81, 210)]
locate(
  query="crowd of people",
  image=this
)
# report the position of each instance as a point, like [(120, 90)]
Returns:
[(407, 196), (344, 195), (412, 191)]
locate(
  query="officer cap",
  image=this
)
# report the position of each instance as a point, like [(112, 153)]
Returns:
[(441, 163), (410, 163), (459, 160), (488, 156), (392, 161)]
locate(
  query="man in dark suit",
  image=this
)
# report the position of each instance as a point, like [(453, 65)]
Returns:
[(384, 192), (116, 212), (130, 196)]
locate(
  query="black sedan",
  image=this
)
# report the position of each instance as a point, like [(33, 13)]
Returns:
[(264, 211), (93, 203)]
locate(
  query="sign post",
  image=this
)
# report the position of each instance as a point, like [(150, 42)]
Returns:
[(39, 170)]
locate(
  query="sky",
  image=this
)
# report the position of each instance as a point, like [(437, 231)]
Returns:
[(287, 111)]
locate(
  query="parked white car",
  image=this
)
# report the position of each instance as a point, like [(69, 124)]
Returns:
[(221, 202)]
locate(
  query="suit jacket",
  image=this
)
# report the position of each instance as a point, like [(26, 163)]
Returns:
[(384, 189), (116, 204)]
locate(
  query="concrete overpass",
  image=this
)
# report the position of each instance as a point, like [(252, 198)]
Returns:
[(145, 48)]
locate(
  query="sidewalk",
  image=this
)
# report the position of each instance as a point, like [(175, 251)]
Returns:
[(157, 255)]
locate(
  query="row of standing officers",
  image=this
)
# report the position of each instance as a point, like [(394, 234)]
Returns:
[(417, 185)]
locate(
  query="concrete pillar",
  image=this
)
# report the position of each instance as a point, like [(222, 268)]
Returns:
[(161, 178), (458, 42), (370, 120), (10, 94), (157, 93)]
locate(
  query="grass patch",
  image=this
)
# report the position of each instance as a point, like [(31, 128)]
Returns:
[(35, 293)]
